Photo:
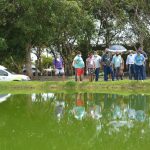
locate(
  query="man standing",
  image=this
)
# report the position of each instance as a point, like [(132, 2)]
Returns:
[(79, 65), (130, 65), (146, 58), (139, 66), (117, 61), (97, 61), (107, 66)]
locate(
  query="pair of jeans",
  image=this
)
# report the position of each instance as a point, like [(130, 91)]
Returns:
[(117, 73), (108, 70), (97, 70), (139, 73), (131, 71), (144, 71)]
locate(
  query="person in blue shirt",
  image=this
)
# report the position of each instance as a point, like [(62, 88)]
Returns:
[(78, 64), (146, 57), (107, 65), (139, 61)]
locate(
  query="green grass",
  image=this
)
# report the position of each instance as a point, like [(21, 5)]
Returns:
[(121, 87)]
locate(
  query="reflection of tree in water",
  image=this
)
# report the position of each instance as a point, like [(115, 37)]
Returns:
[(138, 102), (109, 101)]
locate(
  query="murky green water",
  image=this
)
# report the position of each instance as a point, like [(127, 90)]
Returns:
[(82, 121)]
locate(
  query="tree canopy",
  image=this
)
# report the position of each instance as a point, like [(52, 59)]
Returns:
[(69, 25)]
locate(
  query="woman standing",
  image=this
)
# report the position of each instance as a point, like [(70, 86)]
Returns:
[(90, 66), (121, 69), (79, 65)]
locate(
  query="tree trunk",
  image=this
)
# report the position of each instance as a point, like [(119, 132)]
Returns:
[(68, 68), (141, 41), (28, 61), (38, 62)]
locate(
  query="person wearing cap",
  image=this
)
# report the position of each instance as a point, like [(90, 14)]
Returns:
[(139, 61), (130, 65), (117, 61), (97, 61), (107, 65)]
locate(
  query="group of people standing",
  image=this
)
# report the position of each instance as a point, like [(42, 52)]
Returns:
[(136, 65), (112, 65), (93, 63)]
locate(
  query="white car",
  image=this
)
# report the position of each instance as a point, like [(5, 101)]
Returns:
[(6, 75)]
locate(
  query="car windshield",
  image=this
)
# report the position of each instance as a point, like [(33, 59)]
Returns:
[(10, 71)]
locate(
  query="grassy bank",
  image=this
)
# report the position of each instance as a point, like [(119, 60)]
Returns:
[(122, 87)]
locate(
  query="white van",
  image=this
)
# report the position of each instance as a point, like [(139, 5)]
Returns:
[(6, 75)]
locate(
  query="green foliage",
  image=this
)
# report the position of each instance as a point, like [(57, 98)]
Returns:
[(71, 84), (3, 44), (66, 25), (47, 62)]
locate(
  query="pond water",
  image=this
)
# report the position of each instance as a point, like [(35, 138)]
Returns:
[(81, 121)]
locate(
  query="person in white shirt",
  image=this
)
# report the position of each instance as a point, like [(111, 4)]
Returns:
[(117, 61), (97, 60), (130, 65)]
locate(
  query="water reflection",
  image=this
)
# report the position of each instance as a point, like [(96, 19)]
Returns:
[(92, 117), (42, 97), (79, 107), (114, 108), (59, 106)]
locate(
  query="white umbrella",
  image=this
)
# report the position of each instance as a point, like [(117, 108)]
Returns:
[(117, 48)]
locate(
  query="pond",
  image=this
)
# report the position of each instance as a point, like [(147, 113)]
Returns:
[(80, 121)]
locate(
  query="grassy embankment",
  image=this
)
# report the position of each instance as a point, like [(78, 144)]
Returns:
[(120, 87)]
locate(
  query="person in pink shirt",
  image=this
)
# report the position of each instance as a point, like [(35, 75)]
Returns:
[(90, 66)]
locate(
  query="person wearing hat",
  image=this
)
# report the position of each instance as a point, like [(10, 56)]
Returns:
[(139, 61), (130, 65)]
